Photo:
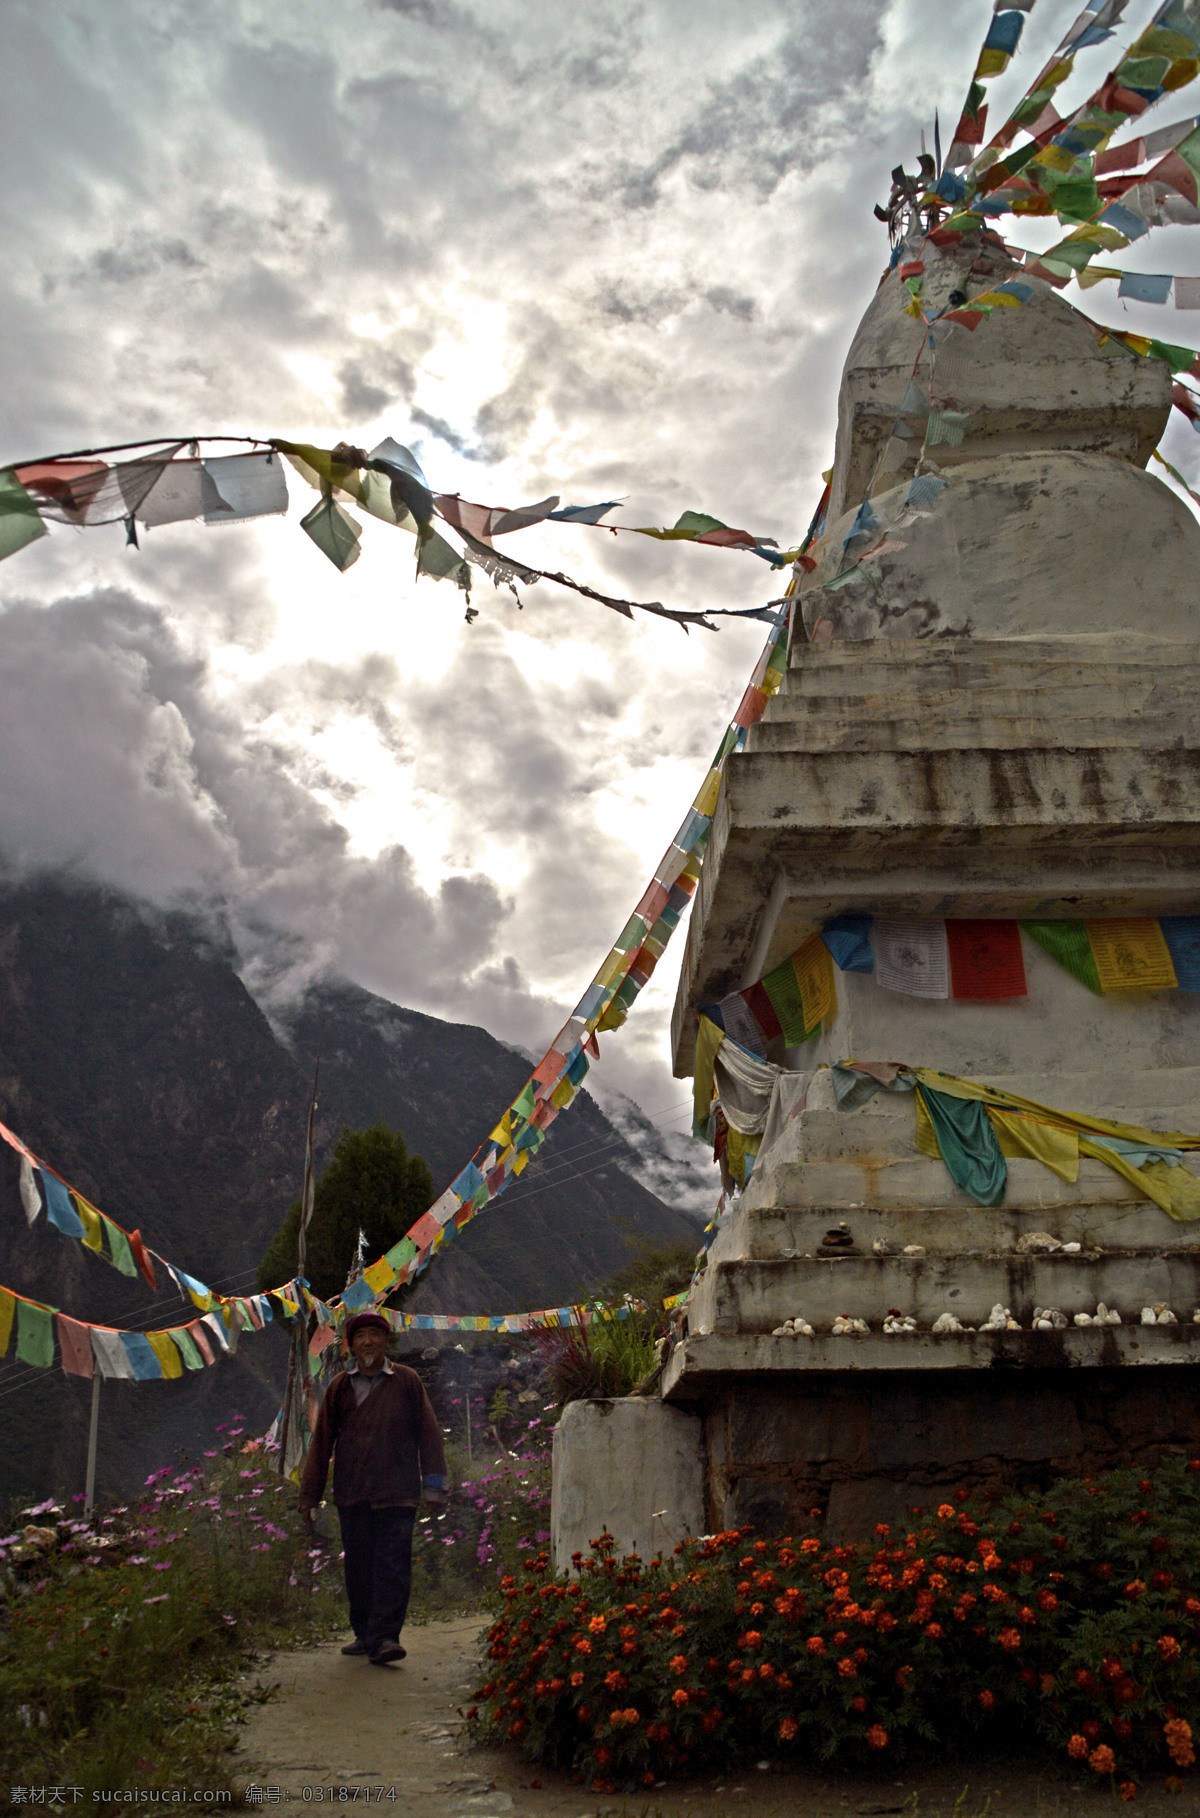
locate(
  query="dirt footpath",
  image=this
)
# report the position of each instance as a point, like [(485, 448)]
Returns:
[(341, 1732)]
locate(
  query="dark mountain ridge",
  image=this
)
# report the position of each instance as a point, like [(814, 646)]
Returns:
[(134, 1060)]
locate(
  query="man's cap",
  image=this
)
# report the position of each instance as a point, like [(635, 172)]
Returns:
[(360, 1323)]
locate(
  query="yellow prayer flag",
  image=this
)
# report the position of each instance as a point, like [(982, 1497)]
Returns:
[(706, 801), (996, 299), (1131, 954), (93, 1231), (991, 63), (613, 966), (1056, 1149), (1054, 158), (380, 1276), (8, 1307), (502, 1134), (1096, 274), (924, 1135), (562, 1094), (709, 1036), (814, 975), (165, 1352), (521, 1162)]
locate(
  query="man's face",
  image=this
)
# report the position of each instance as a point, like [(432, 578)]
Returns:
[(369, 1347)]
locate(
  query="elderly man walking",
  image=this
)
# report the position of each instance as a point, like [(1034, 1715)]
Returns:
[(378, 1424)]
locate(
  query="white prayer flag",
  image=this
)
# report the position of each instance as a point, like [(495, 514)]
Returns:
[(911, 955)]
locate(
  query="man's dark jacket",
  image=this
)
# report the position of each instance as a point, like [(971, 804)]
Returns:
[(381, 1449)]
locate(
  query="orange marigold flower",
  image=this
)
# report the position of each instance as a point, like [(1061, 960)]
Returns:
[(680, 1697), (616, 1680), (1168, 1647), (679, 1663), (1026, 1615), (816, 1644), (810, 1546), (877, 1737), (858, 1703), (946, 1511), (629, 1647), (1102, 1759), (1009, 1639), (766, 1670), (576, 1679), (583, 1645), (1047, 1684), (1128, 1789), (847, 1669), (748, 1675), (934, 1631), (787, 1729), (598, 1624), (1077, 1747), (988, 1700), (752, 1639), (1135, 1589), (628, 1633), (1048, 1601)]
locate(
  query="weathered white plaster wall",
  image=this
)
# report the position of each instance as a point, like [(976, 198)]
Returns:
[(634, 1466)]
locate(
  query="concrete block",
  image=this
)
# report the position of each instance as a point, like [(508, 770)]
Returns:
[(634, 1466)]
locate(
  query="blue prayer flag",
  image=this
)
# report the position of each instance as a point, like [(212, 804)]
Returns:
[(1004, 33), (1145, 287), (848, 939), (357, 1296), (59, 1209), (1124, 220), (1182, 935), (468, 1182), (146, 1366)]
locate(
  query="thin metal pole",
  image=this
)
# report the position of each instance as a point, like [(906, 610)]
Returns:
[(89, 1498)]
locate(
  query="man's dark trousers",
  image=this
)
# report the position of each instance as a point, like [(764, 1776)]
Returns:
[(378, 1565)]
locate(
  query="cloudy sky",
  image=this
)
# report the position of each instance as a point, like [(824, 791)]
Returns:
[(604, 250)]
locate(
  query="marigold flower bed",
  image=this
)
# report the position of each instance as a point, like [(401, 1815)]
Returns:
[(1071, 1621)]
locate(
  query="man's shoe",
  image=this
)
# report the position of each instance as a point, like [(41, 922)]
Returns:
[(356, 1647), (386, 1652)]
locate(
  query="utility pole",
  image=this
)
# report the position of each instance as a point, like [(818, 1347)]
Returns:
[(89, 1492)]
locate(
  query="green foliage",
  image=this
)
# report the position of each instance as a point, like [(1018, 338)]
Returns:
[(123, 1644), (657, 1272), (372, 1185), (609, 1358), (1071, 1621)]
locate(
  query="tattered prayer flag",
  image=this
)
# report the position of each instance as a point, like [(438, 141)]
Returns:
[(144, 1362), (911, 955), (247, 486), (31, 1199), (216, 1326), (75, 1346), (59, 1210), (335, 533), (20, 520), (200, 1338), (1131, 954), (185, 1344), (762, 1010), (1182, 935), (8, 1306), (985, 959), (783, 988), (35, 1334), (120, 1254), (1068, 943), (110, 1354)]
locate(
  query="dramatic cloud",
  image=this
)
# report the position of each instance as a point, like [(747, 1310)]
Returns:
[(611, 252)]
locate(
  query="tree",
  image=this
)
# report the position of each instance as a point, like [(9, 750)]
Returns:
[(373, 1185)]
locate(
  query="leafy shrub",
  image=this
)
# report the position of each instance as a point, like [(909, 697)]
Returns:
[(607, 1359), (122, 1635), (1072, 1619)]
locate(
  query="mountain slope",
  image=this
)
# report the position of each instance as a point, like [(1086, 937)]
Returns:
[(133, 1058)]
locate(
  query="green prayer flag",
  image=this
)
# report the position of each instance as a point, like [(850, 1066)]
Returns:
[(968, 1144), (438, 558), (1068, 943), (698, 523), (1179, 359), (335, 533), (35, 1334), (524, 1106), (186, 1345), (20, 520), (783, 989), (1189, 151), (119, 1253), (401, 1254)]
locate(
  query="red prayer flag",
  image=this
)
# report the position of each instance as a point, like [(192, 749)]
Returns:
[(986, 959), (140, 1257), (762, 1010), (75, 1346)]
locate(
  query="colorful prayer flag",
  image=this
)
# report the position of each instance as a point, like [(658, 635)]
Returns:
[(911, 955), (1131, 954), (985, 959)]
